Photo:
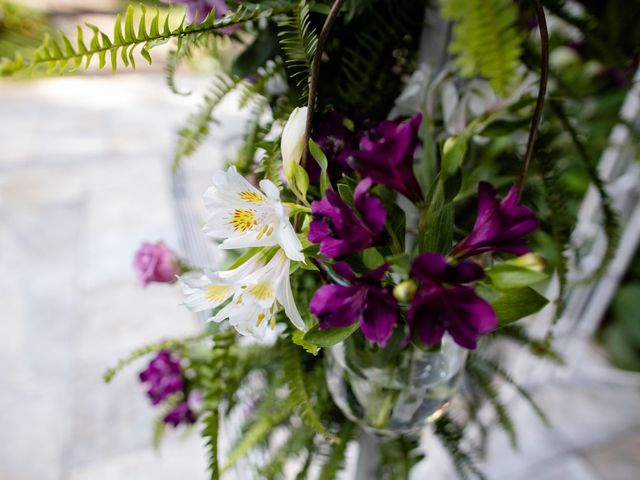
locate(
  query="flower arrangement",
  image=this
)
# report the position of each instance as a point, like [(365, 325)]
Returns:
[(374, 238)]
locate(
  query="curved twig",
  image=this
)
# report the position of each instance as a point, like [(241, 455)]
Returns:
[(315, 72), (542, 90)]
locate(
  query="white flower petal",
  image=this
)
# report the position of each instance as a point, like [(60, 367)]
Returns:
[(270, 190), (290, 242), (292, 142)]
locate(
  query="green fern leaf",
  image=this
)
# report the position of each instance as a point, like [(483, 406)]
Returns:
[(334, 462), (259, 430), (147, 349), (56, 56), (485, 39), (294, 372), (451, 435), (484, 382), (213, 390), (191, 136), (299, 42)]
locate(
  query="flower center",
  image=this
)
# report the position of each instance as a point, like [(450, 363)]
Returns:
[(261, 291), (243, 219), (252, 197), (217, 293)]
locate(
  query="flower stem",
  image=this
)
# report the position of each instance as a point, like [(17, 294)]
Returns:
[(315, 72), (542, 90)]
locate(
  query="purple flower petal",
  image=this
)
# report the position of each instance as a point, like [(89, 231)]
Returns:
[(443, 304), (386, 156), (339, 230), (499, 226), (380, 315), (365, 301), (337, 305)]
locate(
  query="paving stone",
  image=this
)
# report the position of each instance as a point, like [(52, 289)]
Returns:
[(619, 460), (179, 458)]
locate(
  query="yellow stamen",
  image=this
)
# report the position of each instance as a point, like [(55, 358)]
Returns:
[(252, 197), (239, 300), (261, 290), (273, 322), (217, 293), (262, 232), (243, 220), (260, 319)]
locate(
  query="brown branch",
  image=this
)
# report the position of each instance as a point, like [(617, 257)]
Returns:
[(315, 73), (542, 90)]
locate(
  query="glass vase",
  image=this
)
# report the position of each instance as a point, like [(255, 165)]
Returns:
[(393, 394)]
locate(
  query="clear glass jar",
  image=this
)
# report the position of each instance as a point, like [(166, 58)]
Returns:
[(396, 393)]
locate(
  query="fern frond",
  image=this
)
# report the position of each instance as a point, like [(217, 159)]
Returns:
[(213, 390), (451, 435), (258, 431), (561, 219), (492, 367), (299, 439), (147, 349), (300, 395), (299, 42), (334, 462), (253, 135), (191, 136), (484, 382), (129, 34), (485, 39), (611, 221)]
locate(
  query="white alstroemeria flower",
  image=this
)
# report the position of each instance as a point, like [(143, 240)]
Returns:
[(246, 217), (292, 143), (257, 290)]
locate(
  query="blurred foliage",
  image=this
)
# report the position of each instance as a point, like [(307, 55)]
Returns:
[(621, 333), (21, 28)]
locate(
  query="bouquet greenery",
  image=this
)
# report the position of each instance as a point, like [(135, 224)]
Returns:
[(380, 211)]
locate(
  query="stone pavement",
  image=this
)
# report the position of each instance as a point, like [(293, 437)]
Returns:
[(84, 178)]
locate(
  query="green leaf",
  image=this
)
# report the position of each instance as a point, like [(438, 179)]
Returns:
[(330, 336), (372, 258), (504, 276), (453, 151), (298, 338), (319, 156), (435, 230), (513, 304), (127, 36)]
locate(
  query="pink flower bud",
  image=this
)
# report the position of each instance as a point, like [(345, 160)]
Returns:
[(155, 262)]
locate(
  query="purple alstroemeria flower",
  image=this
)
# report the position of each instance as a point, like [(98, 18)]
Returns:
[(155, 262), (181, 413), (163, 376), (364, 301), (386, 153), (444, 302), (339, 230), (499, 226), (336, 141)]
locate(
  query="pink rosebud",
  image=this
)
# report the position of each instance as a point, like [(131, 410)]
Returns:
[(155, 262)]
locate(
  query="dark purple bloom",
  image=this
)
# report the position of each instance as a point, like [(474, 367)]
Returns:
[(155, 262), (339, 230), (364, 301), (444, 303), (386, 154), (336, 141), (499, 226), (180, 414), (163, 376)]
